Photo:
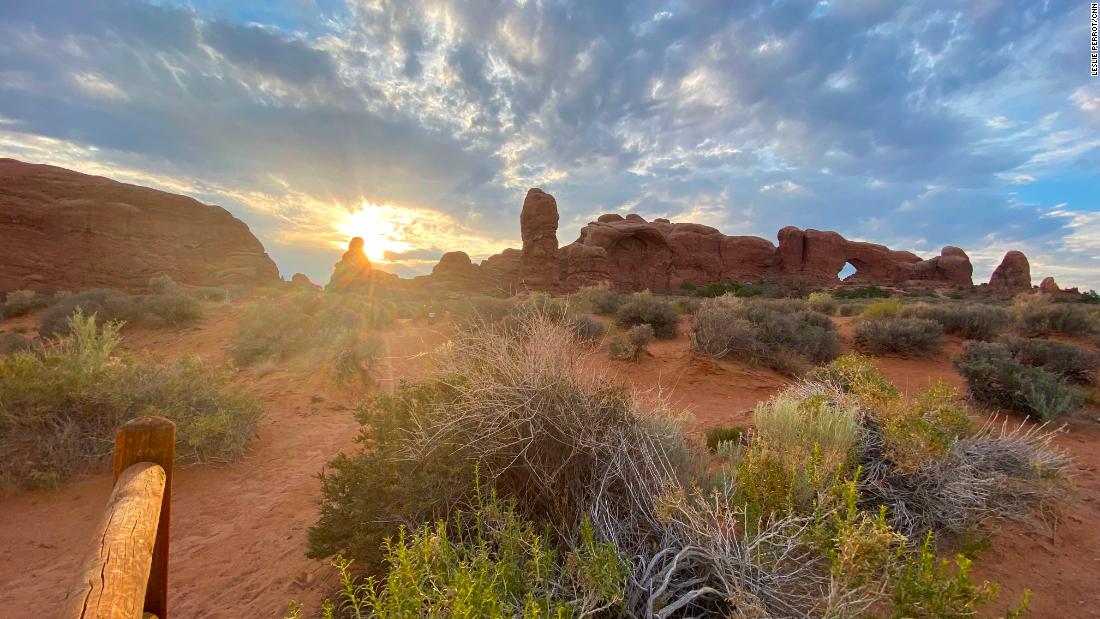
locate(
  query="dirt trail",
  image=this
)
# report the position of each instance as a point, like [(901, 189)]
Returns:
[(239, 530)]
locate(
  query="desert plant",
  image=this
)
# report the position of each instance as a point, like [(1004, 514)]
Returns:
[(155, 310), (1072, 363), (883, 308), (1037, 314), (823, 302), (602, 300), (60, 405), (863, 292), (645, 309), (480, 310), (357, 358), (163, 284), (631, 344), (22, 302), (586, 328), (782, 334), (851, 308), (905, 336), (973, 321), (995, 378), (723, 434), (14, 342)]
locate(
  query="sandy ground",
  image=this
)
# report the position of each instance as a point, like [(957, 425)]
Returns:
[(239, 531)]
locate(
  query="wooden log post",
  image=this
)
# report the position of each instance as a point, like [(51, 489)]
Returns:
[(126, 572)]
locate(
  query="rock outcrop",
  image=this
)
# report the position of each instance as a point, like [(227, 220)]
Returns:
[(301, 280), (1049, 286), (63, 230), (538, 226), (354, 272), (456, 270), (1012, 276)]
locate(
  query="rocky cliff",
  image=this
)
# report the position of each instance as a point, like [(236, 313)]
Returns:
[(63, 230)]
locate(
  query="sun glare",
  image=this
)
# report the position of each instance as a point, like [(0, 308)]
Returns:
[(379, 226)]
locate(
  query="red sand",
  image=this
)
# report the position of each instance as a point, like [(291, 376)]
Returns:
[(238, 536)]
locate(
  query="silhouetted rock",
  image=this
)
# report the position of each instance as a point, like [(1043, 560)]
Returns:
[(63, 230), (302, 280)]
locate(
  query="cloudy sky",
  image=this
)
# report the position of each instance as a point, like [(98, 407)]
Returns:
[(420, 124)]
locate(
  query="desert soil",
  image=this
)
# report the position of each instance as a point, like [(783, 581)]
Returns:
[(239, 530)]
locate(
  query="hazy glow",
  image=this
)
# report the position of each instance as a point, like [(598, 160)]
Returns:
[(381, 226)]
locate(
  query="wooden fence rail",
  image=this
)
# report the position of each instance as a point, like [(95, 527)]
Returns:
[(125, 573)]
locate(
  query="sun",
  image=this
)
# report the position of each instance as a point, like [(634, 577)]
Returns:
[(379, 226)]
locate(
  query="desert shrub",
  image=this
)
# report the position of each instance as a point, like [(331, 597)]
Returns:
[(646, 309), (488, 562), (883, 308), (163, 284), (782, 334), (357, 359), (109, 305), (22, 302), (294, 323), (587, 328), (1036, 314), (996, 379), (629, 345), (685, 305), (60, 405), (602, 300), (864, 292), (723, 434), (905, 336), (478, 310), (973, 321), (851, 308), (718, 289), (823, 302), (14, 342), (1072, 363), (209, 293), (927, 587)]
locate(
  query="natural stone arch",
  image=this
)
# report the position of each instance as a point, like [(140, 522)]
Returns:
[(640, 260)]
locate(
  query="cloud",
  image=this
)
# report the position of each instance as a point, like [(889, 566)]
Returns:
[(747, 116)]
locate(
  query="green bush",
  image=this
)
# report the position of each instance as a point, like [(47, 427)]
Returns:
[(782, 334), (973, 321), (823, 302), (904, 336), (22, 302), (926, 587), (1036, 314), (14, 342), (1072, 363), (478, 310), (308, 320), (851, 308), (163, 284), (646, 309), (883, 308), (357, 359), (865, 292), (995, 378), (60, 406), (587, 328), (631, 344), (109, 305), (487, 563), (602, 300), (723, 434)]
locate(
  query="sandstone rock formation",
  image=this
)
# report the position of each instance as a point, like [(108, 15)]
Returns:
[(538, 225), (456, 270), (354, 272), (301, 280), (1012, 276), (630, 253), (1049, 286), (63, 230)]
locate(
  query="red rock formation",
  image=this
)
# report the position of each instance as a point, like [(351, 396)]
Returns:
[(354, 272), (1012, 276), (301, 280), (629, 253), (455, 270), (538, 225), (1049, 286), (63, 230)]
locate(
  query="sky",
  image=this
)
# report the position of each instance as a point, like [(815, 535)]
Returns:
[(420, 124)]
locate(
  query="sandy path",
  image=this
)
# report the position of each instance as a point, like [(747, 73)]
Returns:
[(238, 531)]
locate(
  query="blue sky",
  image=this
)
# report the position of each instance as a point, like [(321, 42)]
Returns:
[(420, 124)]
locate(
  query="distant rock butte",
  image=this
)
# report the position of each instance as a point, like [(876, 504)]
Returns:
[(1012, 276), (630, 253), (63, 230), (354, 272)]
